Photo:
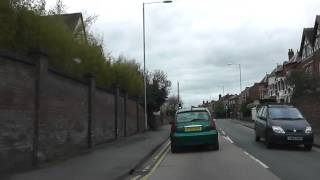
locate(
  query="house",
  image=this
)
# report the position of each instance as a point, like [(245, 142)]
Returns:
[(233, 105), (316, 45), (306, 50), (310, 47), (264, 88), (75, 24)]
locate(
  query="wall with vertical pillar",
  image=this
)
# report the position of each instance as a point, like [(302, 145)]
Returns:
[(46, 114), (17, 111)]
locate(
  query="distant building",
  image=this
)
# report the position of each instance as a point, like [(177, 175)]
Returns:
[(75, 24), (310, 48)]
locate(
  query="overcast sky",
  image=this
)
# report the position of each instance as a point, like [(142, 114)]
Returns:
[(194, 40)]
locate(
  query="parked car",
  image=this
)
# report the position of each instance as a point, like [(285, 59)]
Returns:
[(193, 127), (283, 124)]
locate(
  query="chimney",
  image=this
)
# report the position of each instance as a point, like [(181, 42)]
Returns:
[(290, 54), (219, 96)]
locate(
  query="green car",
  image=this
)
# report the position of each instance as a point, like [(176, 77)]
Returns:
[(193, 127)]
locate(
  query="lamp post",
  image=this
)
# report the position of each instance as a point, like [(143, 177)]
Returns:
[(229, 64), (144, 60)]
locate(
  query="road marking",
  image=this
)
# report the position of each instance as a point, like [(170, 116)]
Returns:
[(223, 133), (135, 178), (257, 160), (163, 149), (146, 168), (316, 149), (228, 139), (156, 165)]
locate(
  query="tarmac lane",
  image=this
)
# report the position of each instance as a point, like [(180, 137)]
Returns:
[(230, 162)]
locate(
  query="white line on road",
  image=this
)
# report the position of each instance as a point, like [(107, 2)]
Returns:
[(257, 160), (228, 139), (316, 149), (223, 133), (146, 168), (136, 178)]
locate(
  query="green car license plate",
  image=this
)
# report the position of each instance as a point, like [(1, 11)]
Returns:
[(193, 129)]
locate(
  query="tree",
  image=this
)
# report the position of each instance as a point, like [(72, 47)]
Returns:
[(23, 28), (58, 9), (172, 105), (157, 92), (303, 83), (219, 109)]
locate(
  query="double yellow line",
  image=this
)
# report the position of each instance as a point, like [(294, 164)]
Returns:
[(158, 159)]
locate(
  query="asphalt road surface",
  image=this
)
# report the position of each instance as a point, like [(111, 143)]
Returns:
[(240, 157)]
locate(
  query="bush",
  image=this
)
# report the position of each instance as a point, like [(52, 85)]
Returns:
[(23, 27), (304, 83)]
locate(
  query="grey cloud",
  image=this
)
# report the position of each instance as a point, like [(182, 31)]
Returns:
[(197, 56)]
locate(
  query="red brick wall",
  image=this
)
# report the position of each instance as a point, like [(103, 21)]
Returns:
[(65, 130), (309, 106), (104, 116), (17, 111), (317, 62), (62, 115), (132, 117)]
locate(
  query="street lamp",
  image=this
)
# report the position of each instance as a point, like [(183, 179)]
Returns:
[(144, 60), (229, 64)]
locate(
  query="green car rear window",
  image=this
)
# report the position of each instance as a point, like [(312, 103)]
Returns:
[(192, 116)]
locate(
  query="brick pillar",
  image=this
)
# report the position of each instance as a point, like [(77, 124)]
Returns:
[(116, 112), (125, 113), (41, 60), (91, 119)]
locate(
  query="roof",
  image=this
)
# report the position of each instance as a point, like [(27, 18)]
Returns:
[(279, 68), (265, 79), (71, 20), (308, 32), (234, 97), (273, 73), (295, 58), (318, 19)]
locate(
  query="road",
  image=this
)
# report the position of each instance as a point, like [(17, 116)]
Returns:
[(240, 157)]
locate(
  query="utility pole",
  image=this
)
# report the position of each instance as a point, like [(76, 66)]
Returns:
[(144, 59), (178, 93), (222, 91)]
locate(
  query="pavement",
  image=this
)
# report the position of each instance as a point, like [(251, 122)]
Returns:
[(109, 161), (250, 124)]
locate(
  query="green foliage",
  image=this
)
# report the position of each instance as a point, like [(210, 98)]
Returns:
[(23, 27), (157, 90), (304, 83), (245, 110), (172, 105), (219, 107), (219, 110)]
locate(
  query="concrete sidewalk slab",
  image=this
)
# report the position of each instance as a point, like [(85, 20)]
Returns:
[(250, 124), (108, 161)]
